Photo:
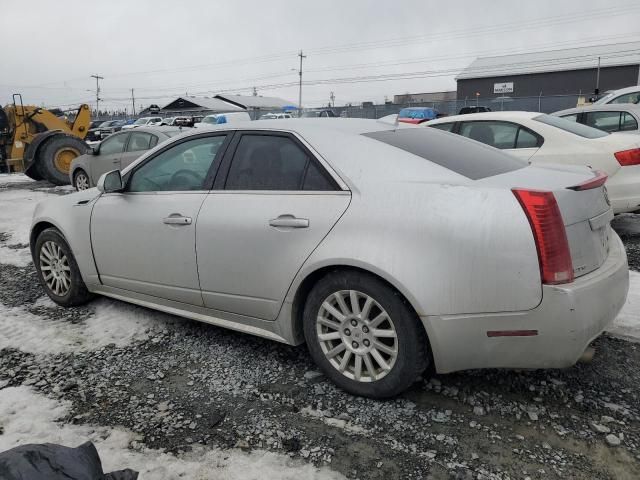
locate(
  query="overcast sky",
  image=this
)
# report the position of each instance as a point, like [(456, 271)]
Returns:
[(163, 49)]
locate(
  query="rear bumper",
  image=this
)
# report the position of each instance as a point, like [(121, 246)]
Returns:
[(567, 320), (624, 189)]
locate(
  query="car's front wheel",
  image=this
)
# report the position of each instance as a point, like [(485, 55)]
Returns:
[(81, 180), (58, 271), (364, 335)]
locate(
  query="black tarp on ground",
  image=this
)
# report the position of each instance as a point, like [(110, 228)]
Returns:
[(48, 461)]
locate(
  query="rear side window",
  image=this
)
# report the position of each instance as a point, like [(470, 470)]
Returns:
[(571, 127), (502, 135), (628, 122), (269, 162), (454, 153), (607, 121)]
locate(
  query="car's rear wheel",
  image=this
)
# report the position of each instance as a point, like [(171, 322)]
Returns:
[(81, 180), (58, 271), (364, 335)]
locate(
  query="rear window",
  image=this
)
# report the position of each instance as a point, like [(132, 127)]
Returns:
[(453, 152), (571, 127), (418, 114), (172, 133)]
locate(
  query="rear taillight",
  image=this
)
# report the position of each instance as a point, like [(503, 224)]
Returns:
[(626, 158), (549, 233)]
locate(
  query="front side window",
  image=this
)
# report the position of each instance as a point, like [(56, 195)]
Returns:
[(183, 167), (633, 97), (139, 141), (269, 162), (113, 144)]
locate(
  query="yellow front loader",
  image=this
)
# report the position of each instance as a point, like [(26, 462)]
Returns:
[(34, 140)]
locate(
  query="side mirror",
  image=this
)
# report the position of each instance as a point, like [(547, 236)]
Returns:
[(95, 150), (110, 182)]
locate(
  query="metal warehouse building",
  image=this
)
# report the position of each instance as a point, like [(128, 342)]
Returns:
[(554, 72)]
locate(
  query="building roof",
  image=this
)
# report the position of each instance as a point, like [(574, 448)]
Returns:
[(250, 101), (205, 104), (554, 60)]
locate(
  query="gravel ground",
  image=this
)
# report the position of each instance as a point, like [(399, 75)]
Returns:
[(187, 383)]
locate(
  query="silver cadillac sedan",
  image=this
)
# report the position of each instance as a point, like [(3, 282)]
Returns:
[(385, 249)]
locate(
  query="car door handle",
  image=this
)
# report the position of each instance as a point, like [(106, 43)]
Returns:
[(175, 219), (289, 221)]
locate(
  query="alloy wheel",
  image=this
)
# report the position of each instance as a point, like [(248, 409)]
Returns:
[(82, 181), (54, 266), (357, 335)]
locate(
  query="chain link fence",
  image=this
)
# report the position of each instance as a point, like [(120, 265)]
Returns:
[(543, 104), (540, 103)]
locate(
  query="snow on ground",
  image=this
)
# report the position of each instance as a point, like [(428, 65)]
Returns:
[(6, 178), (16, 211), (113, 322), (627, 324), (29, 417)]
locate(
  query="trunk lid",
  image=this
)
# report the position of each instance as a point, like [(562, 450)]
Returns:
[(586, 214)]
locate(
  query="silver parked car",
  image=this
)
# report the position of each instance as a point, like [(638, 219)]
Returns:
[(383, 248), (116, 152)]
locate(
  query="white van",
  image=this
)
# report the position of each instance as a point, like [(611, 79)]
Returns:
[(221, 118)]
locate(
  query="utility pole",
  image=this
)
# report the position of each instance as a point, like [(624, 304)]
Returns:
[(597, 91), (133, 102), (98, 78), (332, 97), (300, 86)]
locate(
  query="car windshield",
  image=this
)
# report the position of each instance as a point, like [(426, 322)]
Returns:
[(141, 121), (455, 153), (105, 124), (571, 127)]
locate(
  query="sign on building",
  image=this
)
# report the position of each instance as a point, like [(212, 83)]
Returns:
[(506, 87)]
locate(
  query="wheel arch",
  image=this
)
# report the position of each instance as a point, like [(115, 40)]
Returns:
[(303, 288), (38, 228)]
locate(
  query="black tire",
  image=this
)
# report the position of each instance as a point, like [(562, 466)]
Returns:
[(49, 160), (77, 293), (77, 179), (412, 343)]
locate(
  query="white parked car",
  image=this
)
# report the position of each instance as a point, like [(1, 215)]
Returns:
[(383, 248), (622, 95), (144, 121), (544, 139), (222, 118), (612, 118)]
